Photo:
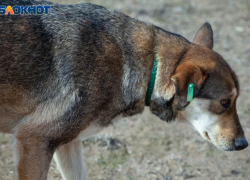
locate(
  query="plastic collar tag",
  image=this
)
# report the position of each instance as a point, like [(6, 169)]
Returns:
[(190, 93)]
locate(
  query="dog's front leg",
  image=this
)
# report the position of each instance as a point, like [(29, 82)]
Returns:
[(70, 161), (32, 156)]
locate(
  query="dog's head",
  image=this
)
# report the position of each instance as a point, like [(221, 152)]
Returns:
[(213, 110)]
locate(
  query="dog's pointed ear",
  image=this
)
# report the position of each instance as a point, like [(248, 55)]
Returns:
[(183, 76), (204, 36)]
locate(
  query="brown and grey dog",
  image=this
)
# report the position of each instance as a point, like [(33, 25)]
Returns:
[(67, 75)]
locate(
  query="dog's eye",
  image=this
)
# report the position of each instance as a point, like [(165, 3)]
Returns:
[(225, 103)]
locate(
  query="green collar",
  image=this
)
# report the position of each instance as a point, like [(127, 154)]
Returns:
[(151, 84)]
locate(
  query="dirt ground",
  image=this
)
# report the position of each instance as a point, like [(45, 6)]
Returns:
[(146, 148)]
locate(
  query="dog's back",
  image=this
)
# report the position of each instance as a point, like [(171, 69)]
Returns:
[(75, 55)]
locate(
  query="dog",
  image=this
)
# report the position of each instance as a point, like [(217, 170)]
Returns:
[(66, 75)]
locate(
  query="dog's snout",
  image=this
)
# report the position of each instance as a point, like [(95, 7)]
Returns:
[(240, 143)]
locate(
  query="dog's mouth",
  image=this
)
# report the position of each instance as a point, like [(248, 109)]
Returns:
[(207, 137), (236, 144)]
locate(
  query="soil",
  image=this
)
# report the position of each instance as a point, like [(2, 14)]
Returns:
[(146, 148)]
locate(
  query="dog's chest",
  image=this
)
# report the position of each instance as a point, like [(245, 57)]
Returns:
[(95, 128), (89, 131)]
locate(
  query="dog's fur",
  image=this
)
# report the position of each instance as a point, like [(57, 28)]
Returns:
[(66, 75)]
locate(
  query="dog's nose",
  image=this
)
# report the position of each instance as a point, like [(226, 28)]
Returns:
[(240, 143)]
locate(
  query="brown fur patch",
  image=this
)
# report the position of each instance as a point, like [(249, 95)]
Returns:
[(14, 105), (143, 38)]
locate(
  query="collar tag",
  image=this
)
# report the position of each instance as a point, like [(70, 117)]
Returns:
[(190, 93)]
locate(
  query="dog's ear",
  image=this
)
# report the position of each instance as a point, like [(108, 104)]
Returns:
[(183, 76), (204, 36)]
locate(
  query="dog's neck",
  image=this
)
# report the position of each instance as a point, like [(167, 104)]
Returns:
[(169, 48), (153, 43)]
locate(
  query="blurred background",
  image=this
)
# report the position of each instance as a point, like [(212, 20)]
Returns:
[(146, 148)]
